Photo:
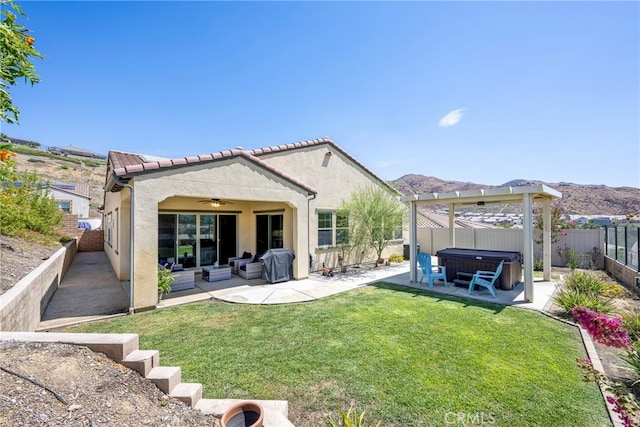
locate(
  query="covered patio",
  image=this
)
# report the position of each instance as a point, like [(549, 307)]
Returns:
[(527, 195)]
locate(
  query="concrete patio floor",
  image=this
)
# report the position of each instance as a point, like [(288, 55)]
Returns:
[(90, 291)]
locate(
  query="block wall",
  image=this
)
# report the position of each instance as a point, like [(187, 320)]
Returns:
[(91, 241)]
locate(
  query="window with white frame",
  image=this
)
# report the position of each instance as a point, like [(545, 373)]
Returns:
[(325, 228), (333, 228), (342, 228), (64, 205), (397, 232), (109, 228)]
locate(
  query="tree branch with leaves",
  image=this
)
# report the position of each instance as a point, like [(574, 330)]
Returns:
[(16, 56), (375, 214)]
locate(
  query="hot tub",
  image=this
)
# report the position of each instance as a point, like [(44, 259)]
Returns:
[(470, 260)]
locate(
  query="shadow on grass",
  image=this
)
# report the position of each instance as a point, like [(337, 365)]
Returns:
[(439, 297)]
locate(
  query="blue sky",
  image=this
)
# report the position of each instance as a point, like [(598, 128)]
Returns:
[(482, 92)]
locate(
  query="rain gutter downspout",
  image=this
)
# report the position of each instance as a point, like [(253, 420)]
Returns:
[(131, 238), (309, 230)]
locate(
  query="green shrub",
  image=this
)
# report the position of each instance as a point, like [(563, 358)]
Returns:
[(396, 258), (538, 265), (32, 160), (571, 258), (613, 290), (165, 279), (631, 322), (64, 167), (26, 207), (570, 298), (349, 419), (585, 283), (632, 357)]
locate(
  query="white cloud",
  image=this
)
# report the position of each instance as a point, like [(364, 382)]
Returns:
[(452, 118)]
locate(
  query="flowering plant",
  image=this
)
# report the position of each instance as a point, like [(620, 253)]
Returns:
[(604, 329), (622, 401)]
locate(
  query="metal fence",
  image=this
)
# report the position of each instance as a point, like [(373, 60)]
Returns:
[(621, 244)]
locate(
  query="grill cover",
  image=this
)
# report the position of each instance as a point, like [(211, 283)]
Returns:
[(278, 265)]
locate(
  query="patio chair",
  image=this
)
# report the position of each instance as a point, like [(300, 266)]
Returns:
[(432, 272), (486, 279)]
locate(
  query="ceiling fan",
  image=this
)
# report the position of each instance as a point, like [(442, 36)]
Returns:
[(215, 203)]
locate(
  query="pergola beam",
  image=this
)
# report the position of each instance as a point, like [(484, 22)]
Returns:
[(526, 195)]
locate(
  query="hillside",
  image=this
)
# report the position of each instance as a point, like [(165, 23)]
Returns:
[(576, 199), (66, 170)]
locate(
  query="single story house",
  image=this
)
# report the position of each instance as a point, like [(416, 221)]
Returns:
[(205, 209), (72, 198)]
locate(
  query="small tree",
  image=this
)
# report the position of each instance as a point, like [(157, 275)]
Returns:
[(375, 214), (557, 224), (16, 54), (25, 203)]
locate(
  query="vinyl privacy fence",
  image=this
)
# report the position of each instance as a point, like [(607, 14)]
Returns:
[(588, 244)]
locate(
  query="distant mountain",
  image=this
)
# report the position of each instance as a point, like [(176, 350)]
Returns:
[(576, 199)]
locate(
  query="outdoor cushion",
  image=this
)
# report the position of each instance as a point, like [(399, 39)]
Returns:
[(246, 255), (172, 267), (257, 258)]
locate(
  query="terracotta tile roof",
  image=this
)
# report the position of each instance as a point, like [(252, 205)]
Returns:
[(77, 189), (127, 165), (120, 160)]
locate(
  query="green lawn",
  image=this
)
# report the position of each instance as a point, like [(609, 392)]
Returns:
[(406, 357)]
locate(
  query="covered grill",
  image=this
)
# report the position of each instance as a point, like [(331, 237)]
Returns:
[(278, 265)]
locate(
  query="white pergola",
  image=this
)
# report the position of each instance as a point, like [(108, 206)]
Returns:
[(526, 195)]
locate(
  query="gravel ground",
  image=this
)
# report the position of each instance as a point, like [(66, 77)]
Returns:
[(78, 387)]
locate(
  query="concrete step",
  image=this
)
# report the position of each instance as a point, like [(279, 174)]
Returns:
[(189, 393), (275, 411), (166, 378), (116, 346), (142, 361), (275, 419)]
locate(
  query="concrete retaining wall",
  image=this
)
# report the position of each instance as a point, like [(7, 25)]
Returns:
[(21, 307), (623, 273)]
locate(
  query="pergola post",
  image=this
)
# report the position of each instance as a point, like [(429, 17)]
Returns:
[(546, 239), (452, 225), (526, 195), (527, 247), (413, 241)]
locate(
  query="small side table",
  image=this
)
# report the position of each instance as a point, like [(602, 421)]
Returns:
[(215, 274)]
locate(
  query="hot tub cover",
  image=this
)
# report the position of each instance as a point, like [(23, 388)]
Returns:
[(480, 254)]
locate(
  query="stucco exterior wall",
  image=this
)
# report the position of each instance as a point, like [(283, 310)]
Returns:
[(116, 218), (236, 180), (79, 204), (253, 189), (334, 177)]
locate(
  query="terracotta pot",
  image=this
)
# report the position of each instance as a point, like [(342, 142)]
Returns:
[(243, 414)]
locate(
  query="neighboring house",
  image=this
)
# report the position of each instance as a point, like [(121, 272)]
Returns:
[(72, 198), (76, 151), (202, 209)]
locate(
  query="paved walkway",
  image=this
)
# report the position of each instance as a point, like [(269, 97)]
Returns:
[(91, 290)]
